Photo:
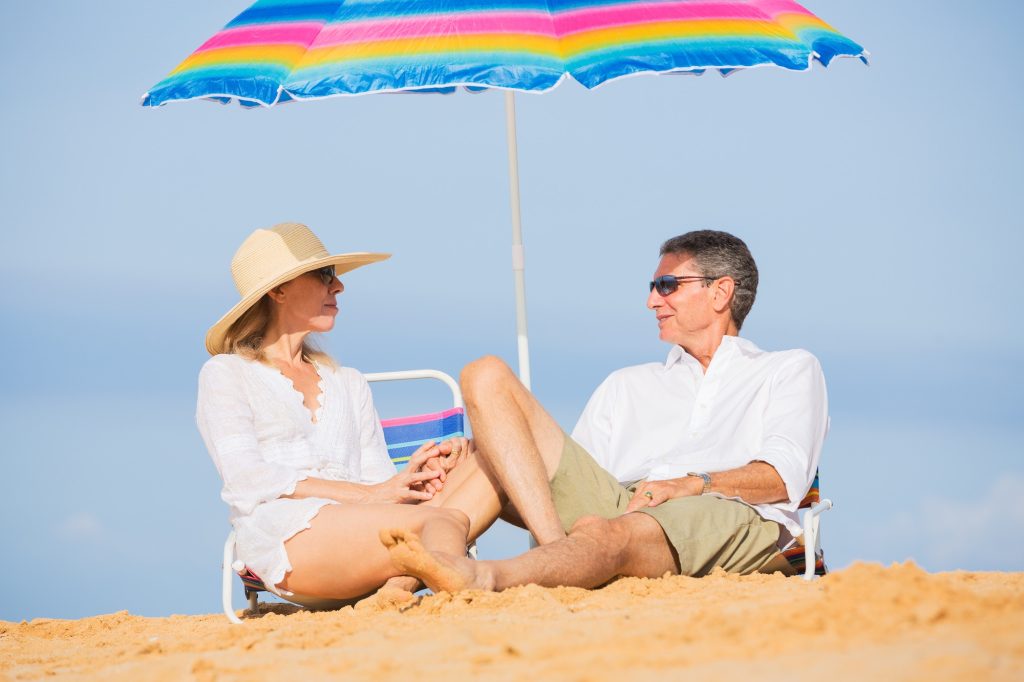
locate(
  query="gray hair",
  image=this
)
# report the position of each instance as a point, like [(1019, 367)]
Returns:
[(718, 254)]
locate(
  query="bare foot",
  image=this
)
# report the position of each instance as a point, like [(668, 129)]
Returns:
[(441, 572)]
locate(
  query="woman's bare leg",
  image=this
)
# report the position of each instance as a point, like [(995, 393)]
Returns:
[(340, 556)]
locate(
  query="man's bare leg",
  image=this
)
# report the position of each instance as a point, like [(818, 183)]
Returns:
[(519, 442), (595, 551), (473, 490)]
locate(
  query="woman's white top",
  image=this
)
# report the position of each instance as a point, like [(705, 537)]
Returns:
[(263, 441)]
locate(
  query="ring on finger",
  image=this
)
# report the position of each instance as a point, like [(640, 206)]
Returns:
[(649, 495)]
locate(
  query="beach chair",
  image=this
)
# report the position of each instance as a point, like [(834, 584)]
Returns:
[(806, 555), (403, 436)]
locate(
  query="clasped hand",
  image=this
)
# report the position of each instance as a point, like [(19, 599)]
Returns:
[(426, 473)]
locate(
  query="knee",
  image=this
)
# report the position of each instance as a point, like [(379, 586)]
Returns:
[(484, 374), (610, 535), (583, 521)]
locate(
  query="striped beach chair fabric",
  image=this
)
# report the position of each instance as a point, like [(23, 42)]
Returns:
[(405, 434)]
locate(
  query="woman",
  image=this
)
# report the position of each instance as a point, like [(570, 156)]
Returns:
[(298, 443)]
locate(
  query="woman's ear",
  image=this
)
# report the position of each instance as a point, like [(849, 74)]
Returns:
[(276, 294)]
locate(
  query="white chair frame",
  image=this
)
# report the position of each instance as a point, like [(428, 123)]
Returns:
[(232, 566), (812, 536)]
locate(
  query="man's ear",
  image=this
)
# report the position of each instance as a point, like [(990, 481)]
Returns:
[(724, 288)]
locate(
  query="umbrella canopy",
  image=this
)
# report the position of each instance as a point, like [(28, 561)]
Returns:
[(278, 50), (285, 50)]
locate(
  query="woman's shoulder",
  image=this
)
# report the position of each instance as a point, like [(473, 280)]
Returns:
[(224, 363), (347, 375)]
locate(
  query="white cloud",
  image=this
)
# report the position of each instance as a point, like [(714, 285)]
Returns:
[(980, 534), (80, 526)]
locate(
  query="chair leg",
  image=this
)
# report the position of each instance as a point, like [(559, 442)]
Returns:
[(227, 579), (254, 603), (812, 519)]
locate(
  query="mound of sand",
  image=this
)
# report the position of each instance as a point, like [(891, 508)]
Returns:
[(863, 622)]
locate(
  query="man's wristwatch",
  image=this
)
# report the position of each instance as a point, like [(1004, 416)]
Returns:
[(706, 477)]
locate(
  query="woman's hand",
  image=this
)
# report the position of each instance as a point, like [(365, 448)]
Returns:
[(450, 453), (416, 482)]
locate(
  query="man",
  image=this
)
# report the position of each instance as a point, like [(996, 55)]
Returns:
[(721, 443)]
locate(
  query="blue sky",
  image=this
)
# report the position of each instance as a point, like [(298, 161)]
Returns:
[(882, 203)]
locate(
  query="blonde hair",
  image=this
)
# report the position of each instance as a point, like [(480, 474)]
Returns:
[(245, 335)]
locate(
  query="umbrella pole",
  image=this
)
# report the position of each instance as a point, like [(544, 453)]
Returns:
[(518, 253)]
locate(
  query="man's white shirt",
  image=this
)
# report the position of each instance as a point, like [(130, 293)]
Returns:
[(663, 420)]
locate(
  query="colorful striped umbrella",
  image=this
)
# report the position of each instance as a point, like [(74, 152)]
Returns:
[(279, 50), (282, 50)]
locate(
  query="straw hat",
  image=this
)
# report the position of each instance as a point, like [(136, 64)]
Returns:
[(270, 257)]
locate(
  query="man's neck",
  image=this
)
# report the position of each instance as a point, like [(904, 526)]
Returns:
[(704, 348)]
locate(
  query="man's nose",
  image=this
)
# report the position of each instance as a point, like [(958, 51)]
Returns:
[(337, 286), (654, 299)]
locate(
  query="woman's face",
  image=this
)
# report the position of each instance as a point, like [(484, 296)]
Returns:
[(307, 303)]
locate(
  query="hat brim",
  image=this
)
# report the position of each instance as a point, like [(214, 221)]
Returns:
[(344, 262)]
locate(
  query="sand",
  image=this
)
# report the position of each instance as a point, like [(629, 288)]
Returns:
[(864, 622)]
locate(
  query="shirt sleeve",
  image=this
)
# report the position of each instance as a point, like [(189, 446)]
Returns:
[(375, 464), (594, 429), (225, 419), (795, 425)]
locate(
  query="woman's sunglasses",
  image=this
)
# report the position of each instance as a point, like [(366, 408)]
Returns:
[(326, 275)]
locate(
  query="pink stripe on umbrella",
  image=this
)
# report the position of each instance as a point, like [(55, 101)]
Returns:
[(773, 7), (623, 15), (298, 33), (348, 32)]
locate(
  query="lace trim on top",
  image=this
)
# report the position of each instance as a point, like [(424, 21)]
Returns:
[(313, 417)]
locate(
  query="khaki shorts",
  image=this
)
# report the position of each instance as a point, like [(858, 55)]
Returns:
[(705, 531)]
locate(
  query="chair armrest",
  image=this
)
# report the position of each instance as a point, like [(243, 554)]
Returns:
[(421, 374)]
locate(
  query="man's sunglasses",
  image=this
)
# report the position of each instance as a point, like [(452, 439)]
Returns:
[(667, 284), (326, 275)]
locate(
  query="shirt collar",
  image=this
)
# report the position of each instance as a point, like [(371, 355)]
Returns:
[(728, 346)]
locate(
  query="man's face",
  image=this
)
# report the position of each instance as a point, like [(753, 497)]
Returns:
[(688, 311)]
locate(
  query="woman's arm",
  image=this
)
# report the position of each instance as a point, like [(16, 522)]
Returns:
[(226, 422), (405, 487)]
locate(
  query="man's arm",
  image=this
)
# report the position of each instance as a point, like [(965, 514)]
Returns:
[(795, 423), (754, 483)]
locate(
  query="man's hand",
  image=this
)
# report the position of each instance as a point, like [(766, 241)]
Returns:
[(653, 493), (450, 454), (454, 451)]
